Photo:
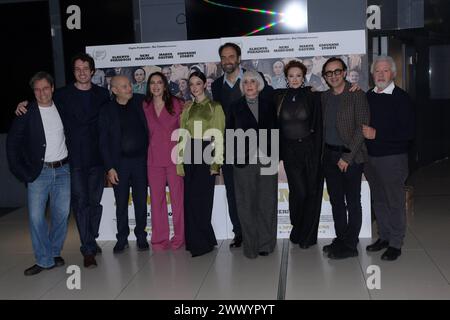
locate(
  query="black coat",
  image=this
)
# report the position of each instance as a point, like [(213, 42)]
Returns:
[(110, 135), (241, 117), (26, 144), (82, 124)]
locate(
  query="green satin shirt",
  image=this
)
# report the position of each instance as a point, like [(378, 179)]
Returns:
[(202, 120)]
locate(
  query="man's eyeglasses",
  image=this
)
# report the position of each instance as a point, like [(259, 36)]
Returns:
[(336, 72)]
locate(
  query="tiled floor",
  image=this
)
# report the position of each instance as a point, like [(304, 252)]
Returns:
[(422, 272)]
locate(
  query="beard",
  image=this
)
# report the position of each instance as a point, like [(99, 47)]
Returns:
[(230, 68), (381, 85)]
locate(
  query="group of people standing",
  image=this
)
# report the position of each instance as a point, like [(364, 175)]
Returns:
[(332, 136), (63, 144)]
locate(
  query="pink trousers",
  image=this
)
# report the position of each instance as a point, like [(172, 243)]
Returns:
[(157, 178)]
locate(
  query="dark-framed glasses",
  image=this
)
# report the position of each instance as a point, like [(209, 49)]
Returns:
[(336, 72)]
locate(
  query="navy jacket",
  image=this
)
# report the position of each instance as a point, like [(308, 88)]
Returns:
[(110, 135), (26, 144), (82, 124)]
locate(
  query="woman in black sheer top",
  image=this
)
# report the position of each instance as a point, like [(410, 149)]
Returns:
[(300, 123)]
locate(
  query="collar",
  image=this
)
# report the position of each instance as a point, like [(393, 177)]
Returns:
[(240, 75), (388, 90), (205, 101), (49, 107)]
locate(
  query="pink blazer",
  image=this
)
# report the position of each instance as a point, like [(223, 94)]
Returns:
[(160, 131)]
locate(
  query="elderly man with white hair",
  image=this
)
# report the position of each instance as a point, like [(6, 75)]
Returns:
[(387, 138), (252, 116)]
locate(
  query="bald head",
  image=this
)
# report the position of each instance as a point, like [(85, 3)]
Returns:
[(118, 80), (121, 87)]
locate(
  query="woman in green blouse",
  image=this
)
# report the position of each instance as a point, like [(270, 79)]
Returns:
[(203, 122)]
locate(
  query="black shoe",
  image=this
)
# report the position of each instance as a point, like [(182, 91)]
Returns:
[(198, 254), (98, 248), (59, 261), (120, 247), (263, 253), (89, 261), (377, 246), (332, 246), (236, 243), (293, 239), (35, 270), (142, 246), (342, 252), (391, 254)]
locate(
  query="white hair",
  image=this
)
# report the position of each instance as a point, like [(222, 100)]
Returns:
[(252, 75), (384, 58)]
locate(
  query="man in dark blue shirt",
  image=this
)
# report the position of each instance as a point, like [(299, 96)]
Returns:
[(387, 138)]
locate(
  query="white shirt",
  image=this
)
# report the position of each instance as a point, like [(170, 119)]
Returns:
[(388, 90), (55, 140), (240, 76)]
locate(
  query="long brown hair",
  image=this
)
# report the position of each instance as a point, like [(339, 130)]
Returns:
[(167, 96)]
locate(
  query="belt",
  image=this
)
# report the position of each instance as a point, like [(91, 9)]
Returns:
[(56, 164), (337, 148)]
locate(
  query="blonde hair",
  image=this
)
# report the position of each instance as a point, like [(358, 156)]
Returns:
[(252, 75)]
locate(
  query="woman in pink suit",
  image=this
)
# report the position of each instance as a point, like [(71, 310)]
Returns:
[(162, 111)]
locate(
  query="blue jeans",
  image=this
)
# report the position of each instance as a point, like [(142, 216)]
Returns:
[(48, 241), (87, 191)]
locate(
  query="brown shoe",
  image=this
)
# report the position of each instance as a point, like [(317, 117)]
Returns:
[(89, 261)]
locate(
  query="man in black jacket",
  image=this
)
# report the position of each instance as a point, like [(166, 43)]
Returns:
[(37, 155), (344, 153), (82, 101), (123, 145)]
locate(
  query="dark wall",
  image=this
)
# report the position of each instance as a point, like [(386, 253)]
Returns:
[(326, 15), (26, 48), (432, 91), (205, 20), (103, 22)]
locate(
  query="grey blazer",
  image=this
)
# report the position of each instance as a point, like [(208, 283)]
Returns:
[(352, 114)]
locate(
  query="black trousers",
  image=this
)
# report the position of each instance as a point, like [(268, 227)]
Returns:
[(228, 177), (198, 205), (305, 189), (132, 173), (86, 191), (344, 189)]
